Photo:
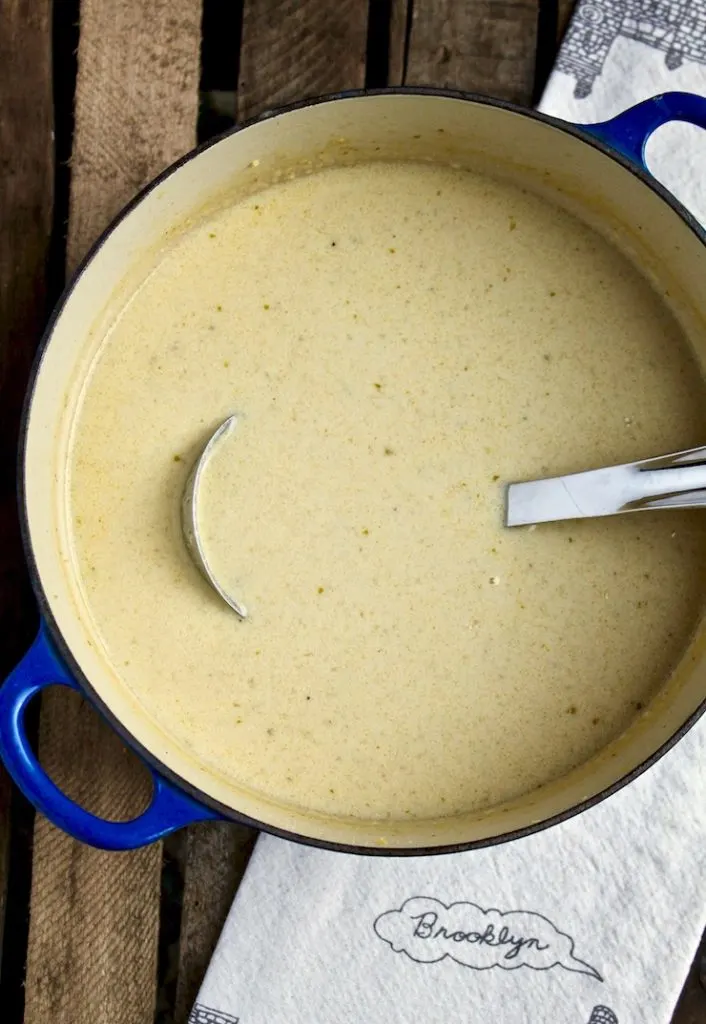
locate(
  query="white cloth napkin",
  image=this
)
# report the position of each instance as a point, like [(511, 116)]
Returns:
[(594, 920)]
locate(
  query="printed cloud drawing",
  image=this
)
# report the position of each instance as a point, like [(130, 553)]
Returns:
[(676, 27), (427, 931)]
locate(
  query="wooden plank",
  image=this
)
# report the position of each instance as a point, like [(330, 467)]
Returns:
[(217, 854), (294, 49), (95, 915), (483, 46), (136, 104), (26, 181)]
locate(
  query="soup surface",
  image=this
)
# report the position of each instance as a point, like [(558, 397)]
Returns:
[(398, 341)]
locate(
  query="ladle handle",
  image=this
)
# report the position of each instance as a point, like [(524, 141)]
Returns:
[(630, 131), (169, 809)]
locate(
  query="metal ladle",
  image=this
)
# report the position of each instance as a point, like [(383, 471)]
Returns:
[(190, 517), (669, 481)]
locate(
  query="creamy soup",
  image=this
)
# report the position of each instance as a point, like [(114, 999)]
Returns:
[(399, 341)]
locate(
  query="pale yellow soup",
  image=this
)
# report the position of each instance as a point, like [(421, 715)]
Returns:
[(399, 341)]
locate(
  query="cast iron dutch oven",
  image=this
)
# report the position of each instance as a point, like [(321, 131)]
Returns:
[(603, 167)]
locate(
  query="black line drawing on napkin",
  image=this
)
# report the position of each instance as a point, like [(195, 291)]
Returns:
[(427, 931), (205, 1015), (676, 27), (603, 1015)]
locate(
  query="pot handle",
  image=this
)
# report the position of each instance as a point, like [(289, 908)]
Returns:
[(169, 808), (630, 131)]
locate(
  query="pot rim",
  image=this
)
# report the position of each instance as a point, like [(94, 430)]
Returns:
[(151, 761)]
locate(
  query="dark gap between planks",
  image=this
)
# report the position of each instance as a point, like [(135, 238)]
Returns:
[(547, 29), (170, 907), (12, 973), (221, 34), (65, 32), (377, 55)]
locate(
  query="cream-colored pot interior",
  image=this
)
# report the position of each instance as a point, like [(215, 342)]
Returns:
[(576, 175)]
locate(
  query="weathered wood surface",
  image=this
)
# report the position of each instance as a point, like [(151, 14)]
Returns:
[(293, 49), (217, 854), (26, 198), (136, 104), (94, 915), (485, 46)]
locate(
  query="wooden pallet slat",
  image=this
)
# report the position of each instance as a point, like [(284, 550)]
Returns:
[(136, 104), (294, 49), (95, 915), (217, 854), (26, 200), (484, 46)]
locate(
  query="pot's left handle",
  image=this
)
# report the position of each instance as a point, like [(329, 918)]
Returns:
[(169, 808), (629, 132)]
